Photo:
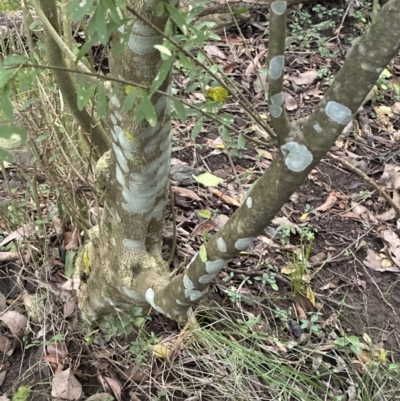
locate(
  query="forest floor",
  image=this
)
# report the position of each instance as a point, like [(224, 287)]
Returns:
[(311, 311)]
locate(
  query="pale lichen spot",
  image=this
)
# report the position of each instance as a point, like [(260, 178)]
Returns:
[(221, 244), (276, 111), (188, 284), (132, 244), (249, 202), (379, 70), (297, 156), (121, 159), (115, 101), (317, 127), (277, 99), (192, 260), (132, 294), (276, 67), (278, 7), (194, 295), (338, 113), (150, 299), (366, 66), (142, 45), (207, 278), (109, 301), (215, 266), (243, 243)]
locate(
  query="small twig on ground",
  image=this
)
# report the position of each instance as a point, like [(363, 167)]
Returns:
[(370, 181), (377, 287)]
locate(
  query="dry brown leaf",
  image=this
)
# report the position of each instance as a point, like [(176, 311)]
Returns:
[(161, 350), (328, 286), (66, 386), (204, 226), (6, 345), (114, 385), (7, 256), (3, 303), (24, 231), (375, 262), (394, 245), (15, 321), (213, 50), (305, 78), (71, 239), (383, 118), (57, 224), (386, 216), (290, 102), (224, 198), (318, 258), (69, 307), (329, 203), (59, 350), (2, 377), (388, 174), (186, 193), (219, 221), (351, 215), (100, 397), (265, 153)]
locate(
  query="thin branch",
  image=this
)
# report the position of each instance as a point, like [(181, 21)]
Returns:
[(370, 181)]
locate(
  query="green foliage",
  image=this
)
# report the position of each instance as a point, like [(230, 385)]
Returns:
[(22, 394), (349, 343), (9, 5), (123, 324), (298, 262)]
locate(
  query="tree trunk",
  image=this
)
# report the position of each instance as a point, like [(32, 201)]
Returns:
[(124, 251)]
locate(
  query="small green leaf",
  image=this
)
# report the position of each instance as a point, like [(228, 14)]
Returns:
[(240, 10), (22, 394), (159, 9), (69, 263), (148, 110), (130, 99), (79, 9), (197, 127), (342, 341), (226, 118), (180, 109), (10, 131), (6, 156), (204, 213), (163, 49), (241, 141), (185, 61), (6, 104), (208, 180), (177, 17), (101, 101), (203, 253), (5, 75), (84, 95), (165, 69), (16, 59)]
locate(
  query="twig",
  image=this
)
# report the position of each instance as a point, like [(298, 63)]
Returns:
[(370, 181)]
